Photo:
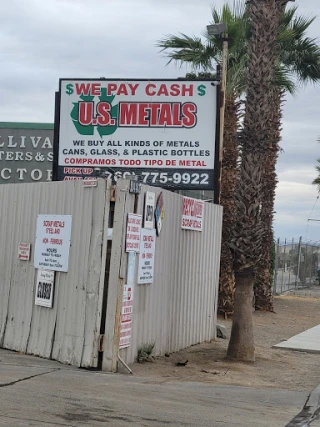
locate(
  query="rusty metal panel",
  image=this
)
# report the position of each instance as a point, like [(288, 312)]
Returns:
[(69, 332), (179, 308)]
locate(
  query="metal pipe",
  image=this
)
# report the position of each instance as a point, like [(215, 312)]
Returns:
[(276, 268), (284, 263), (299, 258), (123, 363)]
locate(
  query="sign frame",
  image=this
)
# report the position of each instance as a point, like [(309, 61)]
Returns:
[(115, 172)]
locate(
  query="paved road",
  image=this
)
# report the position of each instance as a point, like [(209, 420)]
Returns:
[(41, 393)]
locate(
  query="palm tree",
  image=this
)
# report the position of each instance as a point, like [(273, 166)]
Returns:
[(206, 56), (299, 56), (256, 135)]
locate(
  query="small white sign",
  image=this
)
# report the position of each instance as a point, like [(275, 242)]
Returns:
[(90, 182), (126, 316), (44, 288), (149, 209), (133, 232), (146, 256), (24, 251), (53, 242), (131, 268), (192, 214)]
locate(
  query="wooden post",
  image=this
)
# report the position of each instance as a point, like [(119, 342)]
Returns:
[(124, 204)]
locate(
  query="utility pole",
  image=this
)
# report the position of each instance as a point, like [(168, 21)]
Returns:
[(220, 30)]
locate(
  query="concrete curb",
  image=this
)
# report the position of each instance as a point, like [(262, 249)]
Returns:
[(309, 413)]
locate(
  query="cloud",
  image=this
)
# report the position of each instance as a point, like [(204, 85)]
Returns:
[(295, 201), (42, 41)]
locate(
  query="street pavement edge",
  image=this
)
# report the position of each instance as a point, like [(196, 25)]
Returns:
[(310, 414)]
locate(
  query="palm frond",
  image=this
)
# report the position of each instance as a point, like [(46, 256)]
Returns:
[(316, 181), (298, 59), (188, 49), (283, 79), (297, 52)]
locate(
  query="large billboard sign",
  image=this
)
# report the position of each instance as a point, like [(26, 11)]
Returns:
[(161, 131), (25, 152)]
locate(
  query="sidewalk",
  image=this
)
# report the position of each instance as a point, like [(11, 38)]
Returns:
[(308, 341), (40, 393)]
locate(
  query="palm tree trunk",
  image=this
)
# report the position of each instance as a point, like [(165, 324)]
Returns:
[(248, 231), (263, 282), (228, 186), (241, 345)]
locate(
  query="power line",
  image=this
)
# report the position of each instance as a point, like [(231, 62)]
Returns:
[(317, 198), (308, 220)]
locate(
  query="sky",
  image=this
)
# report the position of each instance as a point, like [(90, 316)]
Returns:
[(42, 41)]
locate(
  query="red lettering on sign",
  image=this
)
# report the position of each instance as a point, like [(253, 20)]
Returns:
[(85, 112), (166, 114), (103, 110), (83, 88), (73, 161), (192, 207), (169, 90)]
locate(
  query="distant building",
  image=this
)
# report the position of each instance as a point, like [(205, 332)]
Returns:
[(25, 152)]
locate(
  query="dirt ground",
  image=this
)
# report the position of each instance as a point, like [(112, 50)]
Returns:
[(284, 369)]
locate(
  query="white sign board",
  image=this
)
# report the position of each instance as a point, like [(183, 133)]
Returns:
[(192, 214), (133, 232), (126, 316), (146, 256), (161, 131), (44, 288), (52, 245), (149, 209), (24, 251)]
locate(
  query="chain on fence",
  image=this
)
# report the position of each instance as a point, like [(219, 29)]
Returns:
[(297, 264)]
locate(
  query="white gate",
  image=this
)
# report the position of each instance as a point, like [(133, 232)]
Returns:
[(68, 332)]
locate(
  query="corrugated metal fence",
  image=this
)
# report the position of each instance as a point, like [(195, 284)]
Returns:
[(179, 308), (68, 332)]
